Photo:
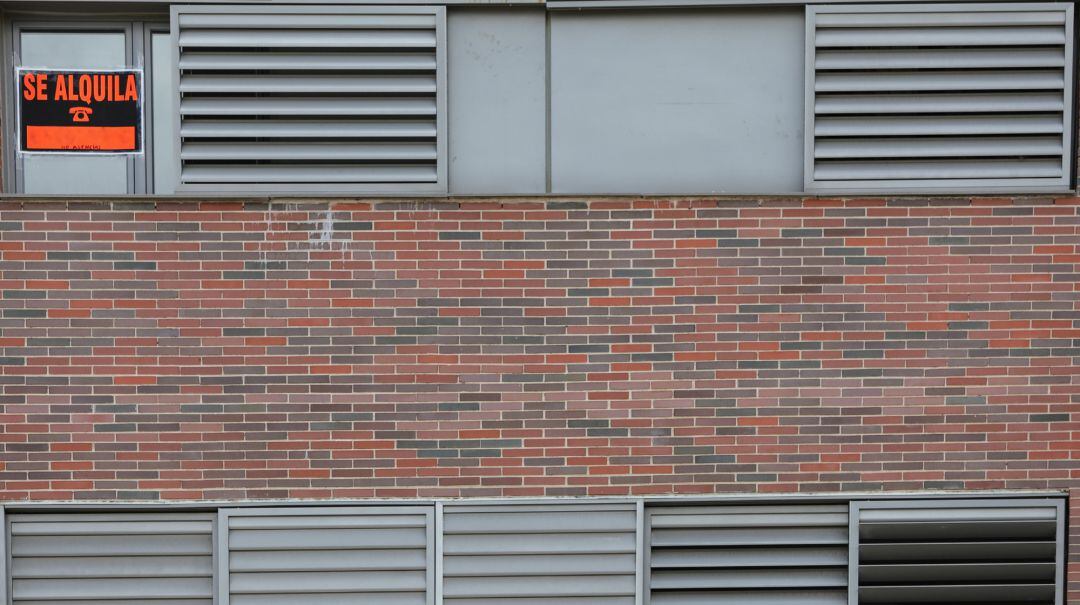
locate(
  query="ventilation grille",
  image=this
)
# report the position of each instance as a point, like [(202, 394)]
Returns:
[(330, 556), (958, 552), (310, 98), (939, 97), (97, 559), (748, 554), (578, 554)]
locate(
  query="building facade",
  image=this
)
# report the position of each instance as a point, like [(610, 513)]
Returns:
[(609, 302)]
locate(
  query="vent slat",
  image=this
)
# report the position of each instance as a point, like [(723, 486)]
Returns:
[(933, 147), (750, 597), (952, 169), (921, 92), (307, 62), (895, 81), (309, 151), (943, 18), (291, 106), (975, 572), (918, 103), (748, 578), (310, 98), (952, 58), (915, 125), (940, 36), (956, 551), (312, 129), (327, 20), (321, 173), (294, 84), (316, 38)]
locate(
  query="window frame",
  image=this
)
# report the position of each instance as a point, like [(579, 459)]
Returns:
[(137, 32)]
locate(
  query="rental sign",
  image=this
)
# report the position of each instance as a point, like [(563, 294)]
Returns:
[(80, 111)]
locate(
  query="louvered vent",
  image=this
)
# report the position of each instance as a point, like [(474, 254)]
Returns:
[(311, 98), (776, 555), (939, 97), (101, 559), (959, 552), (330, 556), (539, 555)]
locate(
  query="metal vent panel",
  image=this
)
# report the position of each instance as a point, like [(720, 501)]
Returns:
[(311, 98), (98, 559), (958, 551), (327, 556), (539, 555), (775, 555), (949, 96)]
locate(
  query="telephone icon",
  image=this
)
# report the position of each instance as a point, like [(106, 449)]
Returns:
[(80, 114)]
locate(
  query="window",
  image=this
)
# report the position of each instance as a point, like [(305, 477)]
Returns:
[(104, 45)]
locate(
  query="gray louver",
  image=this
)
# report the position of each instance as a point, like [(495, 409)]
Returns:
[(329, 556), (100, 559), (959, 552), (946, 96), (311, 98), (539, 555), (769, 555)]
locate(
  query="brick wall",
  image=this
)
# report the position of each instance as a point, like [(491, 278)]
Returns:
[(524, 348)]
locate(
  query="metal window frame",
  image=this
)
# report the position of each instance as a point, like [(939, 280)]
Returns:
[(137, 31), (439, 188), (221, 542), (939, 186), (855, 508)]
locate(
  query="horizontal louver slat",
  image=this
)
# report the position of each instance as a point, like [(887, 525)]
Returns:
[(949, 103), (296, 84), (291, 106), (912, 97), (315, 39), (323, 62), (933, 147), (327, 20), (306, 98), (319, 173), (927, 169), (940, 58), (941, 36)]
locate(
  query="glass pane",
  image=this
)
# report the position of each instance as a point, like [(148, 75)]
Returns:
[(164, 99), (74, 174)]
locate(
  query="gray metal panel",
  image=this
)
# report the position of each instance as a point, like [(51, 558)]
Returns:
[(956, 551), (363, 87), (782, 554), (328, 556), (668, 102), (497, 100), (976, 80), (533, 555), (112, 558)]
